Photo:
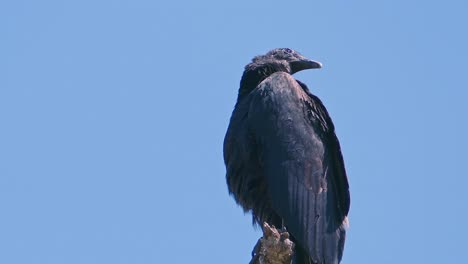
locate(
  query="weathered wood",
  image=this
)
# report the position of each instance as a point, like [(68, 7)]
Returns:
[(274, 247)]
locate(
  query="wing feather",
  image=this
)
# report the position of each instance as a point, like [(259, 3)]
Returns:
[(301, 161)]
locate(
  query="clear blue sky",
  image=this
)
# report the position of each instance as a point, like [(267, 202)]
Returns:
[(113, 113)]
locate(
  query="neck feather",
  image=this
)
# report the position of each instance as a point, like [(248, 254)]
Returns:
[(255, 74)]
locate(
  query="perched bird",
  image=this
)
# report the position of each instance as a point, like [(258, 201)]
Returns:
[(283, 159)]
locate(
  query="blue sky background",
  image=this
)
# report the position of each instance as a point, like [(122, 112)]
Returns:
[(113, 113)]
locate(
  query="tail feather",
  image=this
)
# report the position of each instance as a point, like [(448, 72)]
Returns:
[(331, 253)]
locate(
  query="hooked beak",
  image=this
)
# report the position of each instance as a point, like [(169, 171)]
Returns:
[(304, 64)]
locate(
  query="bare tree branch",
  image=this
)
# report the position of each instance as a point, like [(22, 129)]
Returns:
[(274, 247)]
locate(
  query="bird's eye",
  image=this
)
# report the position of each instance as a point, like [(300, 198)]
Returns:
[(288, 50)]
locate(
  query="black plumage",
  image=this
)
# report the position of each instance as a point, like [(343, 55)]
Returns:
[(283, 159)]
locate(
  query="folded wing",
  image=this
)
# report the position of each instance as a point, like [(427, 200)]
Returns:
[(301, 161)]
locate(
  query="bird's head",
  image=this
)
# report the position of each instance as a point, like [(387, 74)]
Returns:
[(277, 60), (286, 60)]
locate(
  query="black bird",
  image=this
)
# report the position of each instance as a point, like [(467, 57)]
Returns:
[(283, 159)]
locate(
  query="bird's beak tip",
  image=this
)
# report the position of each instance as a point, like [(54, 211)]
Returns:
[(314, 64)]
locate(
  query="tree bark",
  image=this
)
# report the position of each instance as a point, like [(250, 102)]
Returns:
[(274, 247)]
